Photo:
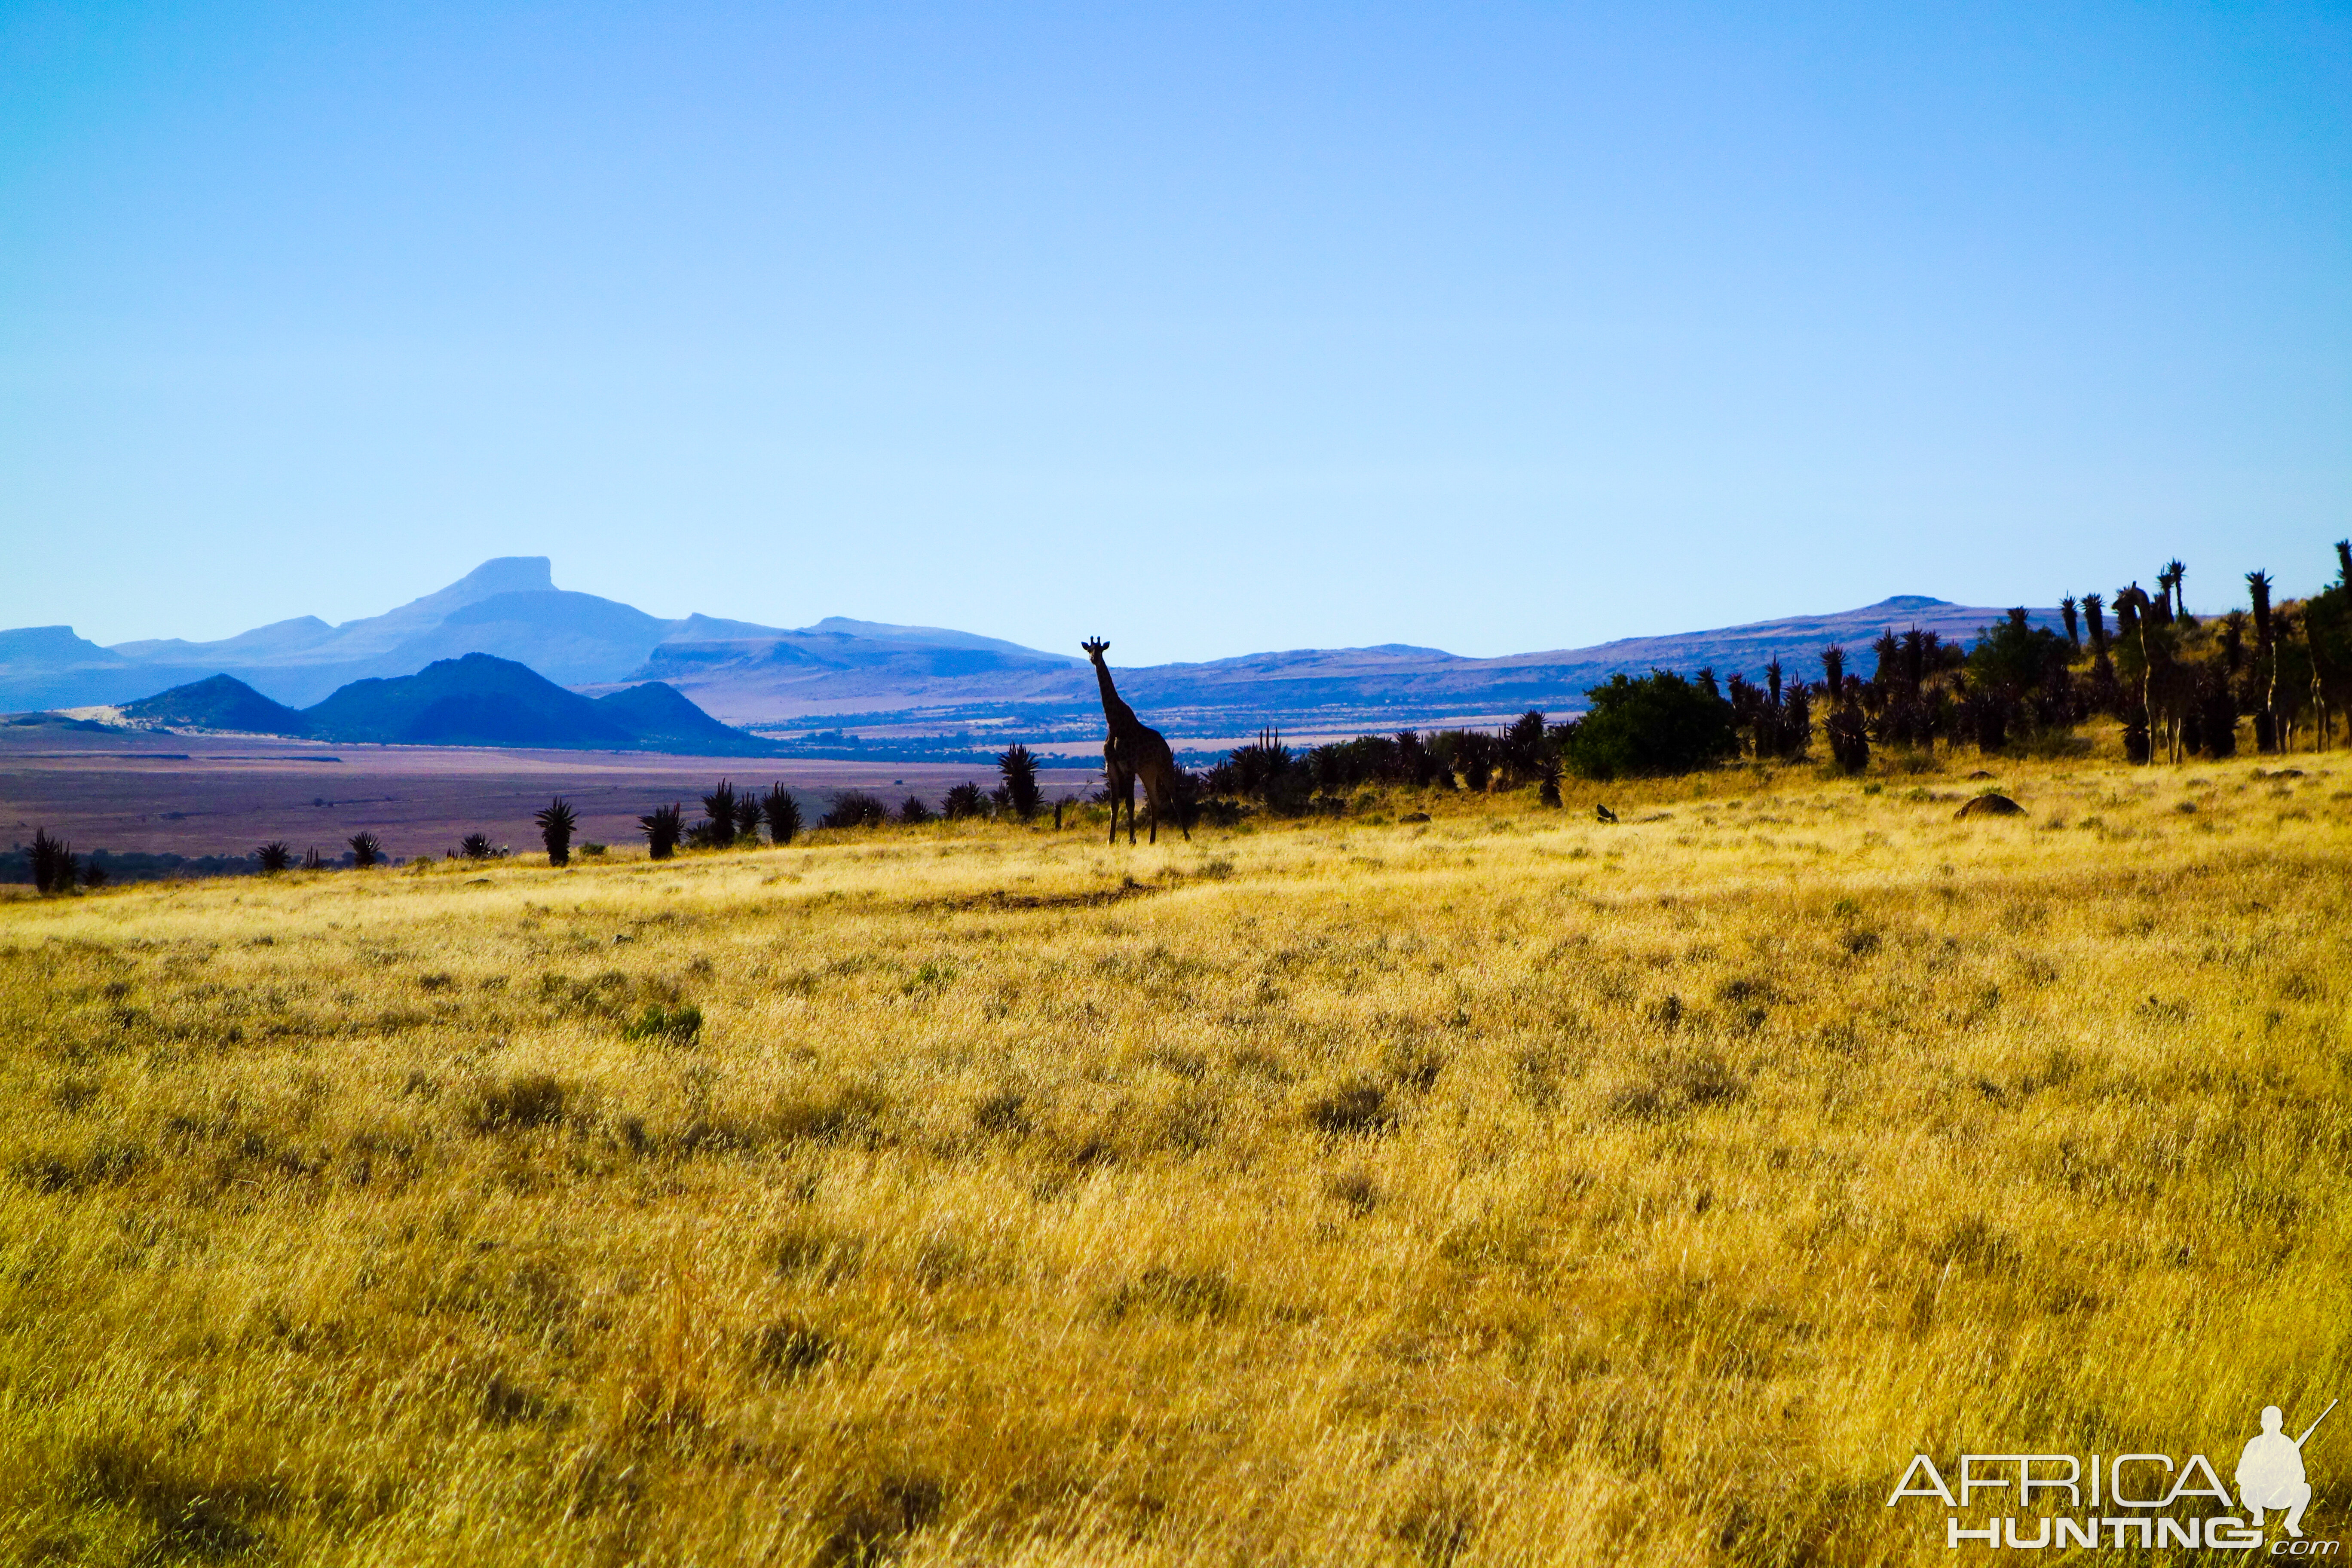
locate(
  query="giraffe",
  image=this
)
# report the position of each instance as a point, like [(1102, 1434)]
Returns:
[(1119, 769), (1136, 753)]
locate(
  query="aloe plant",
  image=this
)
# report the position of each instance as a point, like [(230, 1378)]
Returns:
[(662, 825), (782, 812), (557, 822)]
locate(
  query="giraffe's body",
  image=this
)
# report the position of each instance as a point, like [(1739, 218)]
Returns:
[(1135, 753)]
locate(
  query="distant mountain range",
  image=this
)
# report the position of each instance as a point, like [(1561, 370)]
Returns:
[(508, 607), (476, 700), (904, 682), (1309, 689)]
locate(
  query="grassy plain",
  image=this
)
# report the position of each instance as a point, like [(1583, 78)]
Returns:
[(1504, 1188)]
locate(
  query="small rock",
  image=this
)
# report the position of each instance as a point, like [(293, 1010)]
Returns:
[(1979, 773), (1415, 816), (1992, 805)]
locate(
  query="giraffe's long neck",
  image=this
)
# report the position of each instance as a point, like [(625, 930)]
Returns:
[(1122, 717)]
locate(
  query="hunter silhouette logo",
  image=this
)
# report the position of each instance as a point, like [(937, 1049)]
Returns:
[(2270, 1472), (2120, 1501)]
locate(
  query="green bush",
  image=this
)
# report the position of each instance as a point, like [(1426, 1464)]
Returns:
[(1660, 723), (856, 808)]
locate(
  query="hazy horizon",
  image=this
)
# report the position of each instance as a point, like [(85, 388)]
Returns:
[(559, 585), (1214, 333)]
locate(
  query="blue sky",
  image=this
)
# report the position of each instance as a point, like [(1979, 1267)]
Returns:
[(1207, 329)]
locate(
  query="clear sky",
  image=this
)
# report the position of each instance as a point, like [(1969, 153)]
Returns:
[(1209, 328)]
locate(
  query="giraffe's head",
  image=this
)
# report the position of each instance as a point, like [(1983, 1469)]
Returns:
[(1095, 648)]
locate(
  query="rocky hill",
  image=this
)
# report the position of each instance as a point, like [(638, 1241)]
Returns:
[(475, 701), (217, 702)]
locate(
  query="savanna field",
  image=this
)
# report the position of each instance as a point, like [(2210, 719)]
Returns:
[(1506, 1187)]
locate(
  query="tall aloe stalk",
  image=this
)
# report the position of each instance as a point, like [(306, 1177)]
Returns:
[(2258, 587)]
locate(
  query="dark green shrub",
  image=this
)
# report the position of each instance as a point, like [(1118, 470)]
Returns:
[(856, 808), (1660, 723), (275, 855), (367, 851)]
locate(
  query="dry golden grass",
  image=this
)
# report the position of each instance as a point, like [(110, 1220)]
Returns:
[(1504, 1188)]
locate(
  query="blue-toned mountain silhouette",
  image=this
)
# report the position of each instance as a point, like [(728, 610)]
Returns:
[(218, 702), (870, 674), (475, 701), (508, 607)]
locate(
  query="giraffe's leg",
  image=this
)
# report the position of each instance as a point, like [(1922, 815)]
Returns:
[(1118, 783)]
